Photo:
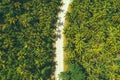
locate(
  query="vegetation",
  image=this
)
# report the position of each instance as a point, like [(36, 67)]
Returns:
[(93, 40), (75, 72), (26, 39)]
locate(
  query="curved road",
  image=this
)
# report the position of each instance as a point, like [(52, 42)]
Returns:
[(59, 39)]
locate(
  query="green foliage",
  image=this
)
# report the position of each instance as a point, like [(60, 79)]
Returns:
[(93, 38), (26, 39), (75, 72)]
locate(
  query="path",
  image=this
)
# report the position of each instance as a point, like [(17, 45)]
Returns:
[(59, 39)]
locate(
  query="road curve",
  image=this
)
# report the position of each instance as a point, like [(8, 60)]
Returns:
[(59, 39)]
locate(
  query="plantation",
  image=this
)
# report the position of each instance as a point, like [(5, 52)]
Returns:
[(26, 39), (92, 43)]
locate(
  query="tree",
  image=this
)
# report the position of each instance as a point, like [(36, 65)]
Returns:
[(75, 72)]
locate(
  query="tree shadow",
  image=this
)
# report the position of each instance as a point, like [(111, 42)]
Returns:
[(58, 31), (58, 36), (59, 23), (61, 10)]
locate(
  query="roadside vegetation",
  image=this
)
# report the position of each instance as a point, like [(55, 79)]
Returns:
[(92, 43), (26, 39)]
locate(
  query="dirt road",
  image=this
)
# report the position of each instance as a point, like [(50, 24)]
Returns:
[(59, 39)]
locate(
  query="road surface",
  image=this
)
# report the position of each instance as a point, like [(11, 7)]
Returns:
[(59, 39)]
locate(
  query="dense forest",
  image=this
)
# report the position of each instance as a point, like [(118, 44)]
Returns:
[(92, 40), (26, 39)]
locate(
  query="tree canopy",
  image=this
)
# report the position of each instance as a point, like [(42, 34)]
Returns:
[(93, 38), (26, 39)]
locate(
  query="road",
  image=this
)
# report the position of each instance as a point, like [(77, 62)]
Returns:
[(59, 39)]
